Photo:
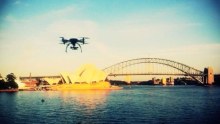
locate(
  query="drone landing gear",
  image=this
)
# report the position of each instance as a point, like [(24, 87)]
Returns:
[(74, 48)]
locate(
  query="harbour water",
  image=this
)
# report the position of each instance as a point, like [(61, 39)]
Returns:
[(135, 104)]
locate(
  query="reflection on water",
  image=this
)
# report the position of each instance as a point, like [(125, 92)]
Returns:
[(86, 99), (138, 104), (58, 106)]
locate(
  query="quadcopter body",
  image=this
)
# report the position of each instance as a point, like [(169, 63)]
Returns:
[(74, 43)]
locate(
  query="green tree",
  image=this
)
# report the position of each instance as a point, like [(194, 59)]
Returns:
[(10, 77), (11, 81), (2, 84)]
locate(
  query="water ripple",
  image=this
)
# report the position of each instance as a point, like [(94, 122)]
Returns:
[(138, 104)]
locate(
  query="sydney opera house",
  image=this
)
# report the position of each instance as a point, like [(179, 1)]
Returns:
[(87, 76)]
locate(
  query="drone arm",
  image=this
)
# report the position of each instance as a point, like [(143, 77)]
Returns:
[(83, 40), (64, 41)]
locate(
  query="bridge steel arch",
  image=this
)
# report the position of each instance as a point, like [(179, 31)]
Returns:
[(185, 69)]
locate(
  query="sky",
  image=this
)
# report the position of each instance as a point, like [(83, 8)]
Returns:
[(186, 31)]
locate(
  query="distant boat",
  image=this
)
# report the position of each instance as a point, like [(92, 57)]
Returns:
[(27, 85)]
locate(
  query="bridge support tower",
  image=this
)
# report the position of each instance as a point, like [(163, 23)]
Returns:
[(209, 76)]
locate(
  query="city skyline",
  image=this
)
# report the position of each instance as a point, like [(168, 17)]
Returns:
[(184, 31)]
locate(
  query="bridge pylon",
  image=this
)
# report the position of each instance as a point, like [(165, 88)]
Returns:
[(208, 78), (128, 79)]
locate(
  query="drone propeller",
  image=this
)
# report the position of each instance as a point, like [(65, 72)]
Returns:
[(62, 38), (82, 40), (84, 37)]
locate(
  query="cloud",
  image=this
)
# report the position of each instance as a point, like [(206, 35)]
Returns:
[(70, 28), (193, 50), (20, 3), (57, 14), (35, 41), (196, 55), (17, 2), (159, 25)]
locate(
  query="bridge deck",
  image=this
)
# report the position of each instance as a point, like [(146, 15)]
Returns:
[(154, 74)]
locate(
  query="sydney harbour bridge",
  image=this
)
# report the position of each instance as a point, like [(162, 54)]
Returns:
[(153, 66), (158, 66)]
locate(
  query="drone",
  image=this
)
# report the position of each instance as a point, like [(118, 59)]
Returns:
[(74, 42)]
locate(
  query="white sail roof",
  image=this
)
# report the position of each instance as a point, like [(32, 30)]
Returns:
[(86, 73)]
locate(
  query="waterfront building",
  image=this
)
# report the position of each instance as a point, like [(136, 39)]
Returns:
[(170, 81)]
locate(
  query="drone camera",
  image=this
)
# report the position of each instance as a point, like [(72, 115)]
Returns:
[(74, 48)]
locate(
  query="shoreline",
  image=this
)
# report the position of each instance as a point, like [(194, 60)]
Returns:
[(9, 90)]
